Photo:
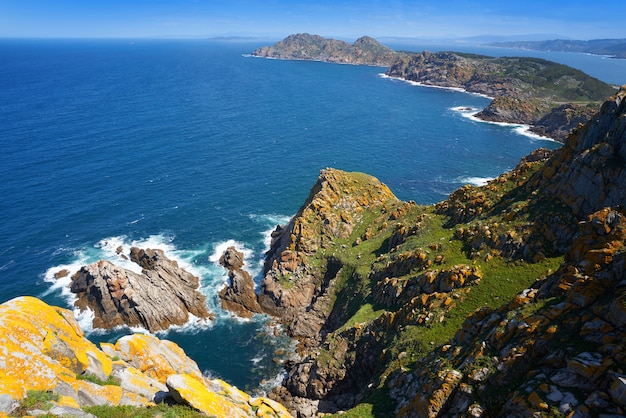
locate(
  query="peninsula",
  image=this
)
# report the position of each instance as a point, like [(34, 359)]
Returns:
[(552, 98)]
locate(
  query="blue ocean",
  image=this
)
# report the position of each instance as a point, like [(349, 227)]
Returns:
[(193, 145)]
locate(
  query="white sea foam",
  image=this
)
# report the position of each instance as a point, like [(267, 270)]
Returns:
[(521, 129), (476, 181), (116, 250), (418, 84), (220, 247), (267, 385)]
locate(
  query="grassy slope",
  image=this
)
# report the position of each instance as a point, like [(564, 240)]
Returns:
[(502, 280)]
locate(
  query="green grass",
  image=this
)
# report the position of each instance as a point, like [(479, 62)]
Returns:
[(500, 283), (377, 405), (95, 379), (36, 399), (158, 411)]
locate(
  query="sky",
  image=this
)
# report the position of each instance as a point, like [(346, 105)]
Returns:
[(435, 19)]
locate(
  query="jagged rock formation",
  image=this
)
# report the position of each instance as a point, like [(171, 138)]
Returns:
[(556, 348), (239, 295), (303, 46), (43, 349), (530, 91), (161, 296)]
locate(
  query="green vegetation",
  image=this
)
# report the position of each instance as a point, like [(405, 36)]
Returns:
[(36, 399), (406, 244), (160, 411), (95, 379)]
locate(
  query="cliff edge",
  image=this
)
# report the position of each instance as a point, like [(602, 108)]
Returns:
[(553, 98)]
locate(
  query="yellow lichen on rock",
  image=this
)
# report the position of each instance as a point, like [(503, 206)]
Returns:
[(156, 358), (40, 346), (187, 389), (43, 349)]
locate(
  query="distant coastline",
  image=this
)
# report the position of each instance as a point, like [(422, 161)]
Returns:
[(552, 99), (609, 48)]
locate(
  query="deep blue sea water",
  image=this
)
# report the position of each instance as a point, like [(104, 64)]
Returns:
[(191, 146)]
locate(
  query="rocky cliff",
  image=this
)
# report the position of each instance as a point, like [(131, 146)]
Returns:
[(552, 97), (300, 265), (503, 300), (161, 296), (303, 46), (45, 357)]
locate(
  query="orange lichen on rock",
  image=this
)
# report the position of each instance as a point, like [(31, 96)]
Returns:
[(42, 348), (42, 345)]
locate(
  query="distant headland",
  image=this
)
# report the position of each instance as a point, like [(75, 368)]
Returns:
[(614, 48), (552, 98)]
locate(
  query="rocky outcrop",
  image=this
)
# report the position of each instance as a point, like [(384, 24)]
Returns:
[(42, 349), (161, 296), (555, 349), (296, 287), (564, 119), (589, 173), (303, 46), (239, 295), (525, 90)]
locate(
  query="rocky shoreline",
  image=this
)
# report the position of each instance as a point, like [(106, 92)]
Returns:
[(551, 98)]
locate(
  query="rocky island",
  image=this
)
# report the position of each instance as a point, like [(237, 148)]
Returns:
[(552, 98), (304, 46), (161, 296)]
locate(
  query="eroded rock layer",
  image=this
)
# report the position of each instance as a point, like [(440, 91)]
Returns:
[(161, 296)]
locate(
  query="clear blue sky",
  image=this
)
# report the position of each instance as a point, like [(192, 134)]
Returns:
[(576, 19)]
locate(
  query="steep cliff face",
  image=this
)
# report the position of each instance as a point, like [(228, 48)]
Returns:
[(589, 172), (42, 349), (299, 276), (556, 349)]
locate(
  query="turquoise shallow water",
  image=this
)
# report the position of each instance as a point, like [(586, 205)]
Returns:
[(191, 146)]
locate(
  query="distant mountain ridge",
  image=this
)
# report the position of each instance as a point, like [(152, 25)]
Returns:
[(612, 47)]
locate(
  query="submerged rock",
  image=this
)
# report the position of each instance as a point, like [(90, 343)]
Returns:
[(161, 296)]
